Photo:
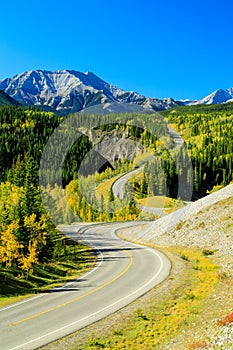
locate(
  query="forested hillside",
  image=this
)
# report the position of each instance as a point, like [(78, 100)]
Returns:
[(207, 131), (27, 234), (28, 237), (6, 100)]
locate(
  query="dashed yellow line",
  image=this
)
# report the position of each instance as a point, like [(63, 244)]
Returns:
[(78, 298)]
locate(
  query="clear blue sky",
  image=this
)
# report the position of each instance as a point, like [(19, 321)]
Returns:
[(177, 48)]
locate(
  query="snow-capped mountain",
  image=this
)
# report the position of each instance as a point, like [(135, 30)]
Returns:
[(216, 97), (71, 91)]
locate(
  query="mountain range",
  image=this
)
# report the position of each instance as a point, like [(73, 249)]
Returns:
[(68, 91)]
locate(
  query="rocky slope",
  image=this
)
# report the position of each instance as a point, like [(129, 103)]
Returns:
[(114, 145), (195, 225)]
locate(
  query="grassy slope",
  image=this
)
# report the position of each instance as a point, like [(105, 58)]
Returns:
[(160, 202), (105, 186), (14, 285), (157, 202)]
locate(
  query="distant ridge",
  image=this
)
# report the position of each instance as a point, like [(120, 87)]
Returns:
[(6, 100)]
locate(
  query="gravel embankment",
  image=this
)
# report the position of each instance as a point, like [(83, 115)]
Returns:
[(206, 224), (163, 227)]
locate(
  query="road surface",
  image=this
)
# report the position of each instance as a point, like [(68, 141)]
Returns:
[(124, 271), (118, 187), (178, 141)]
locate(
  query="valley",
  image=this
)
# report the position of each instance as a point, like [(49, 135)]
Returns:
[(190, 180)]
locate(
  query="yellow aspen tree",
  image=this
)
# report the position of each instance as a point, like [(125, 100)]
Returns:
[(101, 217), (27, 261), (2, 254), (89, 215), (9, 246), (36, 228)]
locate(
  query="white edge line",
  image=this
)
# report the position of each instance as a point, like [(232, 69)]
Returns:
[(99, 311)]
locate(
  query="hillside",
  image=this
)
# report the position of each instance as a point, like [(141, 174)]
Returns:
[(207, 132), (207, 226), (206, 223), (6, 100)]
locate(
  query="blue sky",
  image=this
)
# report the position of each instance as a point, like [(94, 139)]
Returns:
[(182, 49)]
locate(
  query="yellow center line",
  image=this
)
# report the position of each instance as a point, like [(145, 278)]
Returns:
[(78, 298)]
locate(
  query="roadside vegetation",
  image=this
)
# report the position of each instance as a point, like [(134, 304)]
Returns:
[(72, 260)]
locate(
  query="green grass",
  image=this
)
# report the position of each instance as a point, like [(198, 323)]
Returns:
[(169, 204), (105, 186), (72, 263), (157, 202)]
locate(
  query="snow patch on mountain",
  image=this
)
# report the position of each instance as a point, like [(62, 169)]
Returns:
[(69, 91), (217, 97)]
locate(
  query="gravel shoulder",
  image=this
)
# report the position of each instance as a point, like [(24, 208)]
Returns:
[(207, 225)]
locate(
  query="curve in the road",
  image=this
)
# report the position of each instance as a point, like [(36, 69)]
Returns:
[(124, 272), (119, 185)]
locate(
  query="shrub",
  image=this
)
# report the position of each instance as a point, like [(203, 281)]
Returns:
[(207, 252), (228, 319), (184, 257), (198, 345)]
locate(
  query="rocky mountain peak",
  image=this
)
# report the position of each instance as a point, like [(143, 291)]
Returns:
[(72, 91)]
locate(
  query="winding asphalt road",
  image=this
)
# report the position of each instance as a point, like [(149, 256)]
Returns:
[(118, 186), (124, 271)]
